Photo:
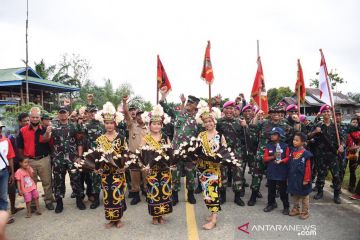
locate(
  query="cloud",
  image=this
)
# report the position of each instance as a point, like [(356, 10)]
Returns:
[(121, 40)]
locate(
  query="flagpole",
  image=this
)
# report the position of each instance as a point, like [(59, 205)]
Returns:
[(210, 102), (27, 53), (331, 100), (298, 89), (258, 57), (157, 84)]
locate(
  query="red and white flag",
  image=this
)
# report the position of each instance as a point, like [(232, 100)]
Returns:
[(324, 81)]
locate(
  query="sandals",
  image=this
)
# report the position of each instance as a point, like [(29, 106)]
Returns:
[(15, 210), (11, 220)]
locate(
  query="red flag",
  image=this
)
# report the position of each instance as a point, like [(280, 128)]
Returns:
[(258, 92), (207, 71), (300, 83), (162, 79)]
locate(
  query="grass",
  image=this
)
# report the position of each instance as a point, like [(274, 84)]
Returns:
[(345, 183)]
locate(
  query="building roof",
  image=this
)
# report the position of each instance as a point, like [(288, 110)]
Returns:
[(16, 77), (312, 98), (339, 98)]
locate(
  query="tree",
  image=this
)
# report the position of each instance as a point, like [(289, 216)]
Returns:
[(72, 70), (107, 93), (275, 95), (12, 111), (44, 71), (335, 79)]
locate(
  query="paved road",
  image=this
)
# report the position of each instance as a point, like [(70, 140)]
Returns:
[(328, 221)]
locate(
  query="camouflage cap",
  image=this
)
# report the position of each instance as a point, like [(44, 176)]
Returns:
[(46, 116), (92, 108)]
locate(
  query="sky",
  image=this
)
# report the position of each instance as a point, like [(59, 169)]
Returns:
[(121, 40)]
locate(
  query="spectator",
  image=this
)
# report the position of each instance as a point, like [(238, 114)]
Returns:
[(33, 145), (23, 120), (6, 164)]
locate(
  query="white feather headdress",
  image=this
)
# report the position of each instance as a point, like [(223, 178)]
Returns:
[(157, 114), (204, 112), (109, 113)]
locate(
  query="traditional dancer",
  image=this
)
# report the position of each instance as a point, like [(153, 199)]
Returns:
[(209, 151), (109, 160), (155, 159)]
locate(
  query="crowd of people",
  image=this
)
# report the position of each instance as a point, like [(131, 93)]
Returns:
[(214, 147)]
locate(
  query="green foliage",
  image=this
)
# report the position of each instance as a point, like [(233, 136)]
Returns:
[(335, 79), (214, 102), (12, 112), (71, 70), (276, 94), (109, 93), (44, 71)]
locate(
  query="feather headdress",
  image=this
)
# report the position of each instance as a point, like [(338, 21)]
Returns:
[(156, 115), (109, 113), (205, 112)]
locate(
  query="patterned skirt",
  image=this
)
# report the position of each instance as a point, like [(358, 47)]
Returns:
[(158, 188), (210, 178), (114, 188)]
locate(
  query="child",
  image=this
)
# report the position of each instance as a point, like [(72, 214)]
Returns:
[(299, 180), (27, 186), (276, 157)]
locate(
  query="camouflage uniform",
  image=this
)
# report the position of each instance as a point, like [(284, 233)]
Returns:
[(251, 143), (92, 130), (263, 131), (326, 156), (64, 154), (234, 135), (343, 131), (185, 127)]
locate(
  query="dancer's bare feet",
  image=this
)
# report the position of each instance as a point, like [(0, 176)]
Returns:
[(155, 221), (212, 219), (28, 215), (38, 212), (162, 220), (208, 218), (210, 225), (119, 224), (109, 225)]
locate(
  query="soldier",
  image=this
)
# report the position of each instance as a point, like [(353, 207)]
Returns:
[(263, 130), (343, 128), (234, 132), (85, 175), (93, 129), (251, 142), (66, 149), (293, 120), (185, 127), (327, 153)]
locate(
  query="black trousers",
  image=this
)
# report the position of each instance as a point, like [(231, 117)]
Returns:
[(282, 189)]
